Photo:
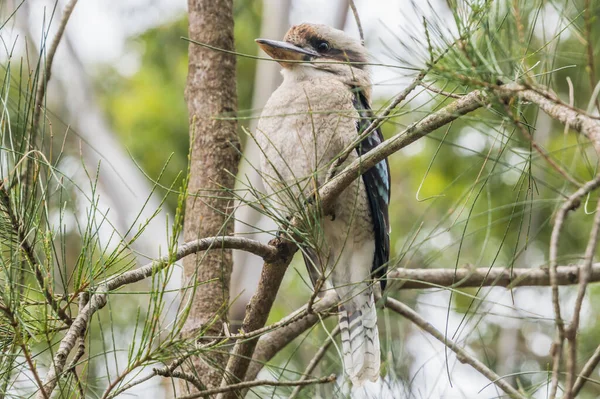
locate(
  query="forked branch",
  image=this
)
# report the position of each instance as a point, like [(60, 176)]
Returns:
[(99, 297)]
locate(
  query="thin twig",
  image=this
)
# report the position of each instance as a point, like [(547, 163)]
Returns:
[(462, 355), (434, 89), (261, 331), (29, 251), (33, 369), (570, 204), (45, 76), (132, 384), (585, 277), (171, 367), (72, 367), (357, 19), (256, 383), (374, 124), (114, 383), (586, 371), (167, 371), (315, 361), (316, 290), (80, 388), (12, 319), (189, 377), (540, 151)]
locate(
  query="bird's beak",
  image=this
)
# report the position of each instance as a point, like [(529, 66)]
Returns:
[(283, 51)]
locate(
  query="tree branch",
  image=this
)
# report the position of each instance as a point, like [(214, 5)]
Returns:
[(487, 277), (315, 360), (45, 76), (570, 203), (361, 33), (98, 299), (257, 312), (161, 371), (271, 343), (462, 355), (464, 105), (575, 119), (29, 251), (586, 371), (571, 330), (256, 383)]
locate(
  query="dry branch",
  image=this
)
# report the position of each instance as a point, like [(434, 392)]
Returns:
[(315, 360), (257, 312), (22, 238), (571, 203), (44, 77), (468, 103), (361, 33), (98, 299), (487, 277), (256, 383), (572, 328), (159, 371), (586, 371), (462, 355), (270, 344)]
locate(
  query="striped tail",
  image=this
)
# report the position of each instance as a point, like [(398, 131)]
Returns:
[(360, 339)]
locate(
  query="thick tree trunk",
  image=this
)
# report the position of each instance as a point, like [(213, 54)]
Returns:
[(210, 92)]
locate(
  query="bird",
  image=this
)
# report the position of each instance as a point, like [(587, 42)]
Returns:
[(318, 111)]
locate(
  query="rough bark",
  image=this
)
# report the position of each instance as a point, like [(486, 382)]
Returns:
[(210, 92)]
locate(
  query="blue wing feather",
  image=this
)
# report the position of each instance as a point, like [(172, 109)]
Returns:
[(377, 184)]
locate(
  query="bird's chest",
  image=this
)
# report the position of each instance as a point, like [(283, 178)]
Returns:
[(304, 126)]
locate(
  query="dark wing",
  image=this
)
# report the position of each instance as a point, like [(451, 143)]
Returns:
[(377, 184)]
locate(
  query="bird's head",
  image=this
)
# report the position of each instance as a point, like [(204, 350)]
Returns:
[(319, 47)]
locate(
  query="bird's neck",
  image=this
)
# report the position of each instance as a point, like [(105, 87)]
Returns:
[(352, 77)]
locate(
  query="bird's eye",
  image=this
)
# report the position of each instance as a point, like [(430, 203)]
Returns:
[(322, 46)]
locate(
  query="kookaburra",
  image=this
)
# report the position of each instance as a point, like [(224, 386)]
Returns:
[(319, 110)]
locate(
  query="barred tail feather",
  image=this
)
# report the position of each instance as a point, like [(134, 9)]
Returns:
[(360, 340)]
